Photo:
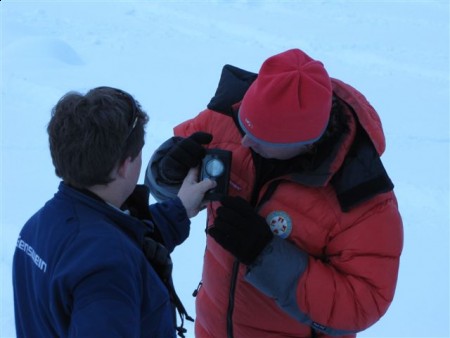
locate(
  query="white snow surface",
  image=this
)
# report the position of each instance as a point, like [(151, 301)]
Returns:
[(169, 55)]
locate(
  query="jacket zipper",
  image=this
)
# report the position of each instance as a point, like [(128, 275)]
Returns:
[(233, 280), (234, 275)]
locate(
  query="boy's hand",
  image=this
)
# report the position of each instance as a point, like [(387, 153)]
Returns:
[(192, 192)]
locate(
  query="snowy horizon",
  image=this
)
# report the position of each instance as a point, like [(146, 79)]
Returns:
[(169, 56)]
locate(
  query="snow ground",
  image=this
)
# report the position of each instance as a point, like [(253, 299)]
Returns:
[(169, 56)]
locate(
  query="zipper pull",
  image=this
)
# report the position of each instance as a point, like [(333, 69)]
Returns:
[(194, 294)]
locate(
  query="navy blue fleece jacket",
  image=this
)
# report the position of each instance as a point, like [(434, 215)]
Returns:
[(79, 270)]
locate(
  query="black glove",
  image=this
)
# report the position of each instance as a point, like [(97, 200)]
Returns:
[(240, 230), (185, 154)]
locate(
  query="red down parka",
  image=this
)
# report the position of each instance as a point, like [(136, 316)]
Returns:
[(329, 272)]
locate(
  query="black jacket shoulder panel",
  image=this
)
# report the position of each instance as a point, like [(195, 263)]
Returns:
[(233, 84), (362, 175)]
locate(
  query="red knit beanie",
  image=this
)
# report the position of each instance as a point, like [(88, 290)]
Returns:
[(289, 102)]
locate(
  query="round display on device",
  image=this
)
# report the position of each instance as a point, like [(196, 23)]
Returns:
[(214, 167)]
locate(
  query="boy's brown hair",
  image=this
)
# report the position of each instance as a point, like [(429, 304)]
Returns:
[(91, 134)]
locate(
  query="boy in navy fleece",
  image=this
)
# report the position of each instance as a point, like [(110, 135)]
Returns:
[(94, 261)]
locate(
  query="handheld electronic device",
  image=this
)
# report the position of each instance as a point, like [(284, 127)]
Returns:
[(216, 165)]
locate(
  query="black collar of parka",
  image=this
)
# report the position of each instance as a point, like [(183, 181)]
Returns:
[(362, 175), (233, 84)]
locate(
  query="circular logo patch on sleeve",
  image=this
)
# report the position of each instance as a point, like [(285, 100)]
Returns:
[(280, 223)]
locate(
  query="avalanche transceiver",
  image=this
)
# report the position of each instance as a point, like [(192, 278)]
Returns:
[(216, 165)]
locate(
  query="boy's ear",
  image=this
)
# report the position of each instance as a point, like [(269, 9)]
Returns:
[(122, 170)]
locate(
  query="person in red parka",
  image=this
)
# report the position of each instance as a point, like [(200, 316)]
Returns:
[(307, 242)]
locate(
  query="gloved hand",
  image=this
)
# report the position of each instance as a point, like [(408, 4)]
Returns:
[(184, 155), (240, 230)]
